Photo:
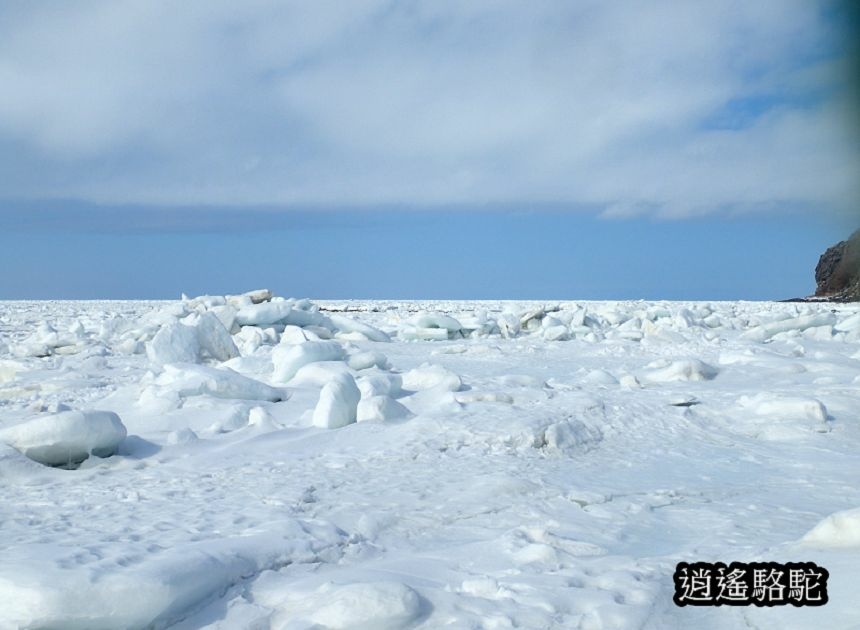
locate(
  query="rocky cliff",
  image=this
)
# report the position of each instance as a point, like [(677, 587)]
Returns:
[(837, 273)]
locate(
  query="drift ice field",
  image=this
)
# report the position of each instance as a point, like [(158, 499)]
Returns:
[(256, 462)]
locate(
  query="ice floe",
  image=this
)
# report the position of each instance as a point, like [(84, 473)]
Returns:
[(285, 463), (66, 438)]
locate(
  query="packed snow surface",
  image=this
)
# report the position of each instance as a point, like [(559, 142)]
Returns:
[(256, 462)]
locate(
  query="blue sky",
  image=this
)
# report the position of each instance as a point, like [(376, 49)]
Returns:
[(419, 148), (451, 253)]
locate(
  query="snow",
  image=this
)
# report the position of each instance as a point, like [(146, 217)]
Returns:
[(153, 589), (285, 463)]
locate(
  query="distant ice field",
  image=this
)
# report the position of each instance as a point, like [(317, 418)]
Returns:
[(256, 462)]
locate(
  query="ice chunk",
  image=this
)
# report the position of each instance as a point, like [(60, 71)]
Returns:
[(659, 333), (197, 380), (182, 436), (41, 406), (174, 343), (226, 314), (318, 373), (9, 370), (766, 331), (30, 348), (821, 333), (599, 377), (15, 465), (536, 553), (214, 339), (380, 409), (509, 325), (367, 606), (204, 302), (841, 529), (473, 396), (258, 295), (521, 380), (154, 591), (315, 333), (261, 420), (264, 314), (556, 333), (478, 323), (287, 359), (413, 333), (66, 438), (365, 360), (665, 371), (232, 418), (46, 335), (305, 318), (294, 334), (485, 587), (338, 403), (568, 433), (348, 325), (532, 318), (429, 376), (379, 384), (785, 407), (436, 320), (849, 324)]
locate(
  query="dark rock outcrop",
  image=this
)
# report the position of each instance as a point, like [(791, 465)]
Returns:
[(837, 273)]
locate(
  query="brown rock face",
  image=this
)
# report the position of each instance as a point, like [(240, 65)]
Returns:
[(837, 273)]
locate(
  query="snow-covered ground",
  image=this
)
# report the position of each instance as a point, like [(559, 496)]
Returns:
[(380, 465)]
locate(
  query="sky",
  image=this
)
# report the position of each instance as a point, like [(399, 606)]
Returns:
[(425, 148)]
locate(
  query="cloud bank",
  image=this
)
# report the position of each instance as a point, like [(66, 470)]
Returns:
[(674, 108)]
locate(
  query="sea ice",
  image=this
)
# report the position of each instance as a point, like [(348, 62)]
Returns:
[(174, 343), (263, 314), (665, 371), (841, 529), (338, 403), (198, 380), (213, 338), (66, 438), (380, 409), (288, 358), (429, 376), (350, 325), (522, 478)]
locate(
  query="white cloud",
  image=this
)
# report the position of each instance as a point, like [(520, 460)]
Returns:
[(424, 102)]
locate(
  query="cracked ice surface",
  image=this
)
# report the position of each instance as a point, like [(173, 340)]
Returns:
[(523, 465)]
